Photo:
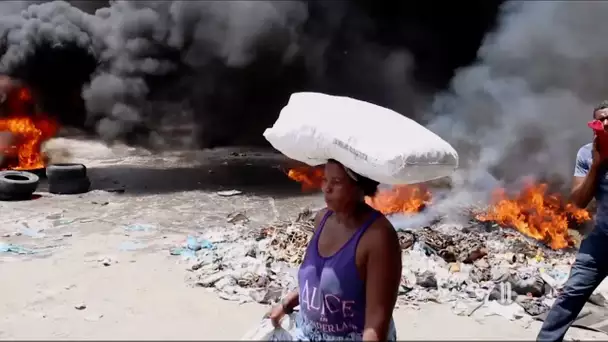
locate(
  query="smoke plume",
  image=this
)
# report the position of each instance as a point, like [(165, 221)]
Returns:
[(522, 108), (142, 63), (209, 73), (195, 73)]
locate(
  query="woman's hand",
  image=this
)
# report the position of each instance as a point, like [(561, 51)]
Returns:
[(284, 307), (275, 315)]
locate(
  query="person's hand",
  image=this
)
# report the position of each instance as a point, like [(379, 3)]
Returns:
[(275, 315), (598, 159)]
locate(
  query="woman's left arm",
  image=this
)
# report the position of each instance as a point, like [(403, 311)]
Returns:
[(382, 279)]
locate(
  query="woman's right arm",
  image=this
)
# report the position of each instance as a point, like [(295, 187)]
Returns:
[(290, 301), (285, 307)]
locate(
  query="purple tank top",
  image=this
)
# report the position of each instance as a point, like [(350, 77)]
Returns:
[(332, 295)]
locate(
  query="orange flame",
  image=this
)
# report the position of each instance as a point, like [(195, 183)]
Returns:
[(535, 213), (398, 199), (29, 130), (310, 177)]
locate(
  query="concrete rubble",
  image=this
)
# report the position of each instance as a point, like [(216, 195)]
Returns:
[(467, 267)]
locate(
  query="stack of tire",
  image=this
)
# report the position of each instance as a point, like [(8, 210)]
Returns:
[(67, 179), (64, 179)]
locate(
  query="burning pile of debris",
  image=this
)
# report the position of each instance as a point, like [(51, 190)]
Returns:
[(533, 211), (517, 251), (23, 127), (520, 243), (23, 130), (442, 263)]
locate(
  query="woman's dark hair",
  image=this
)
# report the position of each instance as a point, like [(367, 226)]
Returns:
[(368, 186)]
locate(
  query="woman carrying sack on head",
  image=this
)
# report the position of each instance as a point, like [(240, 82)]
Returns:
[(349, 279)]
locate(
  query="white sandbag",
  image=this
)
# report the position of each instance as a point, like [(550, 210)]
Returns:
[(373, 141), (267, 332)]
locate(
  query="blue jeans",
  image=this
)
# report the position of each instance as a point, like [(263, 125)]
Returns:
[(588, 271)]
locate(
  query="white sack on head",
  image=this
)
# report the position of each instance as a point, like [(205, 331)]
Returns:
[(373, 141)]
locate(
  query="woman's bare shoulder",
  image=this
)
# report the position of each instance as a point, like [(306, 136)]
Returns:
[(381, 232), (380, 247)]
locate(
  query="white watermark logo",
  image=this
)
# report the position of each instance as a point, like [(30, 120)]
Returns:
[(505, 293)]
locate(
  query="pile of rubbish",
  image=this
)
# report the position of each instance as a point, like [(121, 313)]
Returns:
[(468, 266), (244, 265)]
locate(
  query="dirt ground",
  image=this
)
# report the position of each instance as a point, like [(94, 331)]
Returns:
[(64, 291)]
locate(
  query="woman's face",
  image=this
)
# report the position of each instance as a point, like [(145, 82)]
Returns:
[(339, 189)]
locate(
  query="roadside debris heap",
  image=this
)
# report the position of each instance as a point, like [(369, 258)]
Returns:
[(464, 265), (517, 251)]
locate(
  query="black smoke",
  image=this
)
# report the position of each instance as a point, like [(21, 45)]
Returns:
[(172, 74), (520, 110)]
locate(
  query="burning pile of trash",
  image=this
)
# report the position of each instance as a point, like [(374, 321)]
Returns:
[(517, 250), (459, 264), (23, 127)]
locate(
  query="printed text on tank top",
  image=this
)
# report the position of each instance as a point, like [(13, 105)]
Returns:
[(332, 294)]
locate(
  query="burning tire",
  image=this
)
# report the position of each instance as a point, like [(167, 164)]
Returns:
[(69, 187), (65, 172), (17, 185)]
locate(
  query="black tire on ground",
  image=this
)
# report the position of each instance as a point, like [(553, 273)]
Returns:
[(17, 184), (69, 187), (65, 172)]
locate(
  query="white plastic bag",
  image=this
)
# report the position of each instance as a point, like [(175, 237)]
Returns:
[(267, 332), (373, 141)]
